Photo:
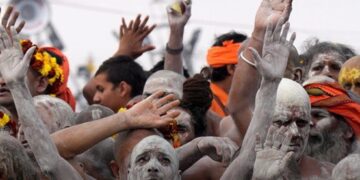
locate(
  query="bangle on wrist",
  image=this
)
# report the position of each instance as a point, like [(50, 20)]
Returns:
[(247, 60), (174, 51)]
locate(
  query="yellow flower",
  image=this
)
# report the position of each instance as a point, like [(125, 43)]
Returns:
[(122, 109), (4, 120)]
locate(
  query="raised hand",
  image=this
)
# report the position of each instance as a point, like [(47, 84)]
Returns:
[(152, 111), (7, 24), (13, 64), (273, 159), (276, 50), (132, 36), (219, 149), (178, 20), (270, 11)]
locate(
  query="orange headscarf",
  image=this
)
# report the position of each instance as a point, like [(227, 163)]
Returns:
[(222, 55), (335, 100), (59, 74)]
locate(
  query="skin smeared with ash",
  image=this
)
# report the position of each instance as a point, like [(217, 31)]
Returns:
[(348, 168), (153, 157), (165, 80), (288, 134), (328, 64)]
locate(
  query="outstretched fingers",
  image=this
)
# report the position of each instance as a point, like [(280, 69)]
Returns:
[(6, 16), (269, 137), (15, 38), (285, 32), (258, 144), (5, 37)]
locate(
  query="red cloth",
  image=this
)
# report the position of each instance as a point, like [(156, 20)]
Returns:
[(222, 55), (62, 91), (335, 100)]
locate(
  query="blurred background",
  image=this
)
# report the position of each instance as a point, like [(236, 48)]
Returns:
[(87, 30)]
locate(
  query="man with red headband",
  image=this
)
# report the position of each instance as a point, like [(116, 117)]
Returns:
[(222, 58), (335, 120)]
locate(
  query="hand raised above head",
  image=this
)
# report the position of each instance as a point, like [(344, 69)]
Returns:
[(178, 20), (153, 112), (13, 64), (7, 24), (270, 11), (276, 50), (132, 36)]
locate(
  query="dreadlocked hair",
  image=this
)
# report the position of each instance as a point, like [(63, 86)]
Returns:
[(197, 97)]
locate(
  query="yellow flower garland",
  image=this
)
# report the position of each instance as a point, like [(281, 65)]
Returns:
[(4, 120), (49, 63), (349, 75)]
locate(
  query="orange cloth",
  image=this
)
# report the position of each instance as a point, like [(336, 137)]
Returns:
[(335, 100), (222, 55), (223, 97), (63, 92)]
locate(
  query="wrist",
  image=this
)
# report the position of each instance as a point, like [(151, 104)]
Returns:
[(174, 51), (16, 83)]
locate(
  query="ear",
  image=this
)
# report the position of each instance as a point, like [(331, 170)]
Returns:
[(298, 74), (231, 68), (124, 89), (42, 85), (349, 133), (114, 168)]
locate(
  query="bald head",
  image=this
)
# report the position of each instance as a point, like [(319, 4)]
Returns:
[(165, 80), (291, 93), (93, 112), (154, 158), (55, 113), (348, 168), (349, 76), (124, 144)]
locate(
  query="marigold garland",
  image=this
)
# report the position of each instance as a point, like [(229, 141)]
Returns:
[(45, 64), (349, 75), (4, 119)]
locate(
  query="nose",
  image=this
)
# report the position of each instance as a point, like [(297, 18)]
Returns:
[(96, 98), (153, 169), (326, 72), (2, 82), (294, 129)]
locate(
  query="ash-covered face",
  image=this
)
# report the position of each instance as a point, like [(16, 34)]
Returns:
[(327, 140), (153, 158), (328, 64), (297, 121)]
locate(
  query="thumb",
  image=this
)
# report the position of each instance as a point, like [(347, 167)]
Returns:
[(146, 48), (286, 160), (28, 55)]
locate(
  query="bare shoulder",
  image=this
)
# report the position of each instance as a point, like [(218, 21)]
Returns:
[(204, 169), (311, 168), (229, 129)]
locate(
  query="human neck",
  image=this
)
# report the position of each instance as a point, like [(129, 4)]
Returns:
[(224, 84)]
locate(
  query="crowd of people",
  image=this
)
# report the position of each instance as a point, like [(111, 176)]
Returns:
[(259, 110)]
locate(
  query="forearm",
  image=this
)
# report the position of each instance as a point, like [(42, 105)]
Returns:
[(243, 89), (35, 131), (241, 167), (77, 139), (188, 154), (173, 62)]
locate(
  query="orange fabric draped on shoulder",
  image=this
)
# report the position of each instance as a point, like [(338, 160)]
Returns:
[(222, 97), (335, 100), (218, 56)]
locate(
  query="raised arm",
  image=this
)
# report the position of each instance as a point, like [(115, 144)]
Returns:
[(271, 66), (174, 47), (149, 113), (13, 68), (246, 79)]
